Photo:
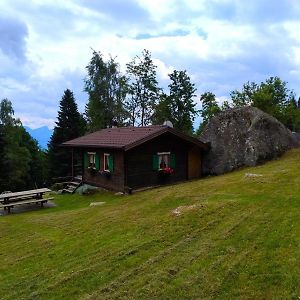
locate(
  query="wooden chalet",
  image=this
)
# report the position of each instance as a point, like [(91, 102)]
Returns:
[(128, 158)]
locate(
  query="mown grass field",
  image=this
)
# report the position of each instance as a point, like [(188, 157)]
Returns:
[(237, 238)]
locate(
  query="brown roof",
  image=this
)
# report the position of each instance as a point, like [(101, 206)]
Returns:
[(127, 137)]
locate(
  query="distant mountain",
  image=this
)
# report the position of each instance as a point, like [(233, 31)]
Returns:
[(42, 135)]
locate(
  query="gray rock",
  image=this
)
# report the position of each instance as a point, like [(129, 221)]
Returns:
[(96, 203), (243, 136), (252, 175)]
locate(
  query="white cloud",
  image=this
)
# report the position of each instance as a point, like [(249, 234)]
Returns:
[(221, 44), (35, 121)]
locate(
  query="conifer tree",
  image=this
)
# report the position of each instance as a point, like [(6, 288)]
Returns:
[(178, 107), (69, 125)]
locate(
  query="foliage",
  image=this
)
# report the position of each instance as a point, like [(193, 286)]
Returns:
[(209, 109), (107, 90), (68, 126), (291, 114), (143, 89), (2, 160), (178, 107), (271, 96), (22, 161), (234, 238)]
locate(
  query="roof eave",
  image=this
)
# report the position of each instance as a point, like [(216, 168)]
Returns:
[(90, 146)]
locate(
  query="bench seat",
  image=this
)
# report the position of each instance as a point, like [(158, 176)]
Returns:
[(12, 204)]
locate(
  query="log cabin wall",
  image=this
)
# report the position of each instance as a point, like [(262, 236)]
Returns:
[(139, 162), (115, 181)]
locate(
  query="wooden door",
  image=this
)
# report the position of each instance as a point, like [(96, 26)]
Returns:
[(194, 163)]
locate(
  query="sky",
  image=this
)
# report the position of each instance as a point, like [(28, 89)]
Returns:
[(45, 45)]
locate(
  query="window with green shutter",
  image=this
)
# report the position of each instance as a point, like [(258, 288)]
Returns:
[(108, 162), (85, 160), (97, 162), (155, 162), (165, 160), (111, 163), (90, 160), (173, 160)]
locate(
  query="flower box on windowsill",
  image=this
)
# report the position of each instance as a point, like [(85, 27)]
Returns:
[(164, 175), (106, 174), (165, 171)]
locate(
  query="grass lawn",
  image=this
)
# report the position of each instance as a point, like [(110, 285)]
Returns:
[(234, 237)]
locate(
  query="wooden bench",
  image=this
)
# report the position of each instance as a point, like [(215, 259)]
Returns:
[(8, 206)]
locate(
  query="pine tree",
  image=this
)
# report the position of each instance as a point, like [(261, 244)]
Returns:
[(182, 105), (178, 107), (68, 126)]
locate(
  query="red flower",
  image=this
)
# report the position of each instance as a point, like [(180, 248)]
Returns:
[(168, 170)]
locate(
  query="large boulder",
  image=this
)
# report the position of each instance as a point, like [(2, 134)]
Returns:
[(243, 136)]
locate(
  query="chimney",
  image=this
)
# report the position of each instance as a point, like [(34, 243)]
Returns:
[(114, 124)]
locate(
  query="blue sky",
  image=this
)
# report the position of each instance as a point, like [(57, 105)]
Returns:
[(45, 45)]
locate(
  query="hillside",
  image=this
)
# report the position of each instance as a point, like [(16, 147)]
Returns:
[(231, 236)]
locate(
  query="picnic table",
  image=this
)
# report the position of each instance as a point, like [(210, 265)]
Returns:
[(9, 200)]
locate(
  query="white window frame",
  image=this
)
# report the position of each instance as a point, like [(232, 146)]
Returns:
[(106, 158), (160, 156), (92, 162)]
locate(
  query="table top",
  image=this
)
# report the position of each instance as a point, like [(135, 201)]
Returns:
[(24, 193)]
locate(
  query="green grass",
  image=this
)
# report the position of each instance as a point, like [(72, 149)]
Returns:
[(241, 239)]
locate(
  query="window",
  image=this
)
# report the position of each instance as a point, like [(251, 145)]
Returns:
[(163, 160), (92, 160), (106, 162)]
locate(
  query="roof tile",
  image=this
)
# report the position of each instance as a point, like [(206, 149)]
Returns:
[(126, 137)]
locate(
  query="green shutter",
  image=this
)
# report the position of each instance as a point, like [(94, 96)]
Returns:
[(173, 161), (155, 162), (97, 162), (111, 163), (85, 160)]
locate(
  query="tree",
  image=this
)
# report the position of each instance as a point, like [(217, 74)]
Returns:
[(163, 110), (178, 107), (292, 115), (106, 88), (2, 161), (68, 126), (142, 89), (7, 113), (271, 96), (245, 97), (21, 158), (209, 109)]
